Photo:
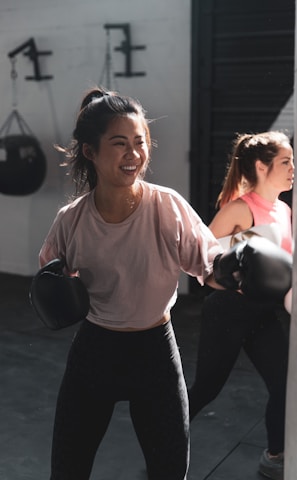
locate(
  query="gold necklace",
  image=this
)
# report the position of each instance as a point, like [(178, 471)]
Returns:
[(134, 201)]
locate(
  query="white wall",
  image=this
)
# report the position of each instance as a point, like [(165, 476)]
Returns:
[(291, 419), (74, 32)]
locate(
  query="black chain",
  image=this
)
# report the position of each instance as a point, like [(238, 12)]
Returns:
[(14, 76)]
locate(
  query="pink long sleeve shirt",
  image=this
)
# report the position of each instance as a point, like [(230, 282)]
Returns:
[(131, 269)]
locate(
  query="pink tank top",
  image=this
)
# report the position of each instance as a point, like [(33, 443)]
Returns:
[(265, 212)]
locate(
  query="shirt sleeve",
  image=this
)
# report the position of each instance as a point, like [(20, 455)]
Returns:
[(198, 246), (54, 245)]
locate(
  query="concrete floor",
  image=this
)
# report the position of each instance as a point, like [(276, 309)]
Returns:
[(227, 438)]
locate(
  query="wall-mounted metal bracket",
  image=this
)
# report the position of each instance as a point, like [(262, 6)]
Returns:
[(32, 52), (126, 48)]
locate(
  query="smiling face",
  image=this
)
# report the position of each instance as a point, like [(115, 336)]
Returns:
[(123, 152)]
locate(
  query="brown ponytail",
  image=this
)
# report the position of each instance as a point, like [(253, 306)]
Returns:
[(241, 173)]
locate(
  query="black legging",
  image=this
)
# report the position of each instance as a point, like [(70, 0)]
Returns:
[(231, 321), (105, 367)]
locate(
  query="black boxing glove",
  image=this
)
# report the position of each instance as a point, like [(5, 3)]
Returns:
[(265, 270), (226, 267), (59, 300)]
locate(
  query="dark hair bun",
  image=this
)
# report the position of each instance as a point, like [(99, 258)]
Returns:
[(93, 95)]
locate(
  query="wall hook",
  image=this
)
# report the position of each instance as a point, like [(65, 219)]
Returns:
[(33, 54), (126, 48)]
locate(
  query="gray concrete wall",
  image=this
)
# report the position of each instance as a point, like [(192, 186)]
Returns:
[(74, 32), (291, 418)]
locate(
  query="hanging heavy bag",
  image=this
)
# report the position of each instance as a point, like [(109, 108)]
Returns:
[(22, 162), (22, 165), (58, 299)]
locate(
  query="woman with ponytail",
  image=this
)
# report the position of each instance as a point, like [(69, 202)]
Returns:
[(129, 240), (260, 169)]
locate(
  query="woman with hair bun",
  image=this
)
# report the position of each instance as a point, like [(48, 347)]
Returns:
[(129, 240)]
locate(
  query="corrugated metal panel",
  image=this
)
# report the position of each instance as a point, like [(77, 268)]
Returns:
[(242, 81)]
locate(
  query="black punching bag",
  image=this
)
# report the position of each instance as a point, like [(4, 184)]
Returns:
[(22, 165)]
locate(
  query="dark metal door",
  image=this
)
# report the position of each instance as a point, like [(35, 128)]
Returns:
[(242, 77)]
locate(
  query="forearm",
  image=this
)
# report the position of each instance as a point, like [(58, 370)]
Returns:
[(210, 281)]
